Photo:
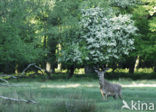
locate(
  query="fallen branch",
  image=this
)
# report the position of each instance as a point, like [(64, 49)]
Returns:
[(13, 85), (5, 75), (18, 100), (4, 84), (39, 68), (27, 68), (4, 80), (33, 64)]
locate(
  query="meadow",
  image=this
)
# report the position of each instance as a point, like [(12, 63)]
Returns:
[(74, 95)]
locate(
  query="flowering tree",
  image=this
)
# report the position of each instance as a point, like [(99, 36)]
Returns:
[(124, 3), (107, 37)]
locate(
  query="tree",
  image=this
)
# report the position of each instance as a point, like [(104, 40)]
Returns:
[(144, 16), (19, 42), (108, 37), (66, 14)]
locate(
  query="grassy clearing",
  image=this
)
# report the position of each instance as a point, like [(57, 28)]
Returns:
[(58, 95)]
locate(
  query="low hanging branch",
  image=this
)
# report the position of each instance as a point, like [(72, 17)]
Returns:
[(33, 64), (4, 80), (18, 100), (15, 77), (5, 75)]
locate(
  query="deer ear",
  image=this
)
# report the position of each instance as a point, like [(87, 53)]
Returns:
[(96, 71), (107, 69)]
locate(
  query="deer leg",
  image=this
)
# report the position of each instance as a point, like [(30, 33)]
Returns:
[(106, 97), (120, 96), (115, 96), (103, 94)]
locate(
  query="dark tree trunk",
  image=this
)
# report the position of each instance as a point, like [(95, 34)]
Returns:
[(131, 69), (89, 70), (71, 72), (49, 75), (51, 58), (132, 65), (8, 68), (154, 68), (114, 67), (45, 42), (53, 70)]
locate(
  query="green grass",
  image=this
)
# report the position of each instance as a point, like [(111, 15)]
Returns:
[(49, 93)]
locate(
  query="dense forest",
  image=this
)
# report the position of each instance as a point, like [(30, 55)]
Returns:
[(77, 34)]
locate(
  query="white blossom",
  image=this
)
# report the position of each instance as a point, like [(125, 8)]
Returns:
[(107, 37)]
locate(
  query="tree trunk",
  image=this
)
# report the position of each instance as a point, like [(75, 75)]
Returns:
[(48, 67), (132, 65), (154, 68), (48, 70), (136, 63), (89, 70), (45, 42), (131, 69), (9, 68), (71, 72)]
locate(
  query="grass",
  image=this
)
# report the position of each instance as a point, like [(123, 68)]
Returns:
[(54, 95)]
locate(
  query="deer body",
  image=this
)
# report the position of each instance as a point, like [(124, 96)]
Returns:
[(107, 88)]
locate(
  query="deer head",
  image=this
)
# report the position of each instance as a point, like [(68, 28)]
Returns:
[(101, 72)]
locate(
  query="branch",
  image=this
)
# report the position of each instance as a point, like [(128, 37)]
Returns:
[(27, 68), (39, 68), (18, 100), (4, 80), (5, 75), (33, 64)]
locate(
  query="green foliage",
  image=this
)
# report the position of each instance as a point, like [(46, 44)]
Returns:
[(19, 42), (18, 37), (144, 16), (43, 31), (72, 51)]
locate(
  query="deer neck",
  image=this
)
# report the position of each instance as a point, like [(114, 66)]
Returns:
[(101, 80)]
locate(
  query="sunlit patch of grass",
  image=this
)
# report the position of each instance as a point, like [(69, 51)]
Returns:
[(122, 70), (61, 70), (144, 70), (79, 71), (139, 70)]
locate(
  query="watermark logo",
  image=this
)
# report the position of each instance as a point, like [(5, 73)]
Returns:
[(138, 105)]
